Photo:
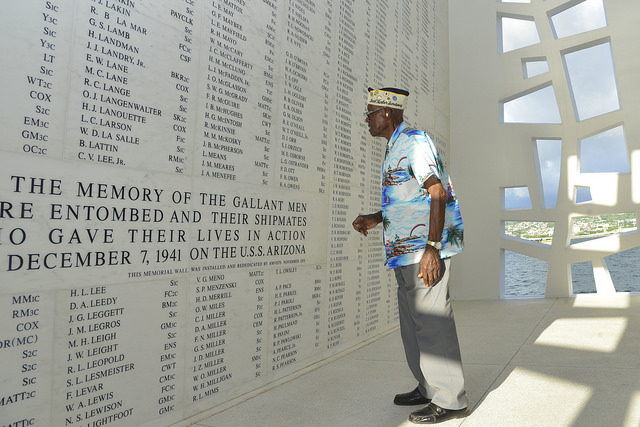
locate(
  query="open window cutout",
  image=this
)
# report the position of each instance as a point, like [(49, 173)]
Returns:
[(531, 231), (582, 194), (592, 81), (548, 156), (517, 32), (585, 16), (534, 66), (624, 269), (586, 227), (517, 198), (604, 152), (539, 106), (524, 275), (582, 279)]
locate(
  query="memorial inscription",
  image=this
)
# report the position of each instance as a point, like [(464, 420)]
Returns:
[(182, 75), (94, 358), (38, 124), (24, 352), (110, 117), (209, 368)]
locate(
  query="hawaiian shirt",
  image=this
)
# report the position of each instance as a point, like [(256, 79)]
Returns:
[(410, 159)]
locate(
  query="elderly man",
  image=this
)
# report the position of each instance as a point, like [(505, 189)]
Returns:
[(422, 230)]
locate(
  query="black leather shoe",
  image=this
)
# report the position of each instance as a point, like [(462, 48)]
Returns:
[(413, 397), (432, 414)]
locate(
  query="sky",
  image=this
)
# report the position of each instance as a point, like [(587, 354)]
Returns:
[(591, 76)]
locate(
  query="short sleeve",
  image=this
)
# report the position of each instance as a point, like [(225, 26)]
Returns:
[(424, 159)]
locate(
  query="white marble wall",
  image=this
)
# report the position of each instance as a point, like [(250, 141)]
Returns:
[(177, 184)]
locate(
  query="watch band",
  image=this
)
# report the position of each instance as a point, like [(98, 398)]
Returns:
[(437, 245)]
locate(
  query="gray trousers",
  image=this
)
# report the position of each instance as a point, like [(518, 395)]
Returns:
[(429, 336)]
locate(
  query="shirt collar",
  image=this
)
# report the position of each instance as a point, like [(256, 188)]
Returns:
[(401, 127)]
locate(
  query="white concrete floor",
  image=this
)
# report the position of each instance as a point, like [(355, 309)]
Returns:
[(531, 362)]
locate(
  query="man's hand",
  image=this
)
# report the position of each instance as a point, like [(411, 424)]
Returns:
[(430, 266), (363, 223), (430, 262)]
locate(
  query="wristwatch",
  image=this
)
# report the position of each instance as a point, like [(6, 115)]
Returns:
[(437, 245)]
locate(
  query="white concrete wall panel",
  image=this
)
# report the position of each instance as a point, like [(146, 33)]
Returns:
[(491, 155)]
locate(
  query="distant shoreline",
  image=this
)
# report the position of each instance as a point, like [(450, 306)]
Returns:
[(580, 236)]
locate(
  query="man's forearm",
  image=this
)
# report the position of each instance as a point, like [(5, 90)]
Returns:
[(436, 219), (437, 208)]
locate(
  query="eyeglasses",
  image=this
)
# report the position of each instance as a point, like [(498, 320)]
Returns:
[(369, 113)]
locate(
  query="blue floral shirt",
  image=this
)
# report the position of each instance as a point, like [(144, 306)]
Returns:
[(410, 159)]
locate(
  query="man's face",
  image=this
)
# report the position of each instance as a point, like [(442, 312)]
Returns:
[(376, 119)]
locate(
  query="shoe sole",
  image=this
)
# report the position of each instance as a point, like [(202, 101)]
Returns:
[(440, 420)]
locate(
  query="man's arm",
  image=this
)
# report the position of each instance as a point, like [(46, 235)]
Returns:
[(430, 262), (363, 223)]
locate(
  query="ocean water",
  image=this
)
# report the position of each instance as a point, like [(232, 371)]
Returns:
[(527, 276)]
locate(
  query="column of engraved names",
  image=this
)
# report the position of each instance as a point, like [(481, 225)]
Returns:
[(427, 53), (387, 68), (337, 256), (169, 380), (209, 369), (266, 102), (343, 171), (94, 359), (359, 148), (111, 119), (293, 159), (340, 232), (370, 164), (182, 75), (39, 116), (375, 293), (260, 325), (226, 93), (393, 20), (317, 299), (407, 50), (22, 357), (375, 253), (432, 43), (380, 38), (287, 319), (326, 87), (418, 68)]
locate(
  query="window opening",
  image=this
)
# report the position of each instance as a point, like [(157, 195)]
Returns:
[(523, 275), (591, 76), (584, 16), (516, 33), (534, 67), (539, 106), (624, 269), (548, 156), (517, 198), (531, 231), (582, 194), (585, 228), (582, 278), (604, 152)]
